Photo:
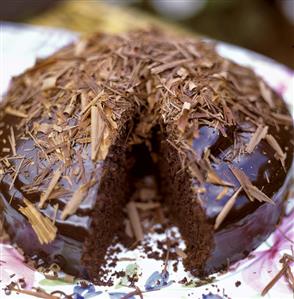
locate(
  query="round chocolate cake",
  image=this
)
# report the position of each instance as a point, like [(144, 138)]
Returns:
[(72, 129)]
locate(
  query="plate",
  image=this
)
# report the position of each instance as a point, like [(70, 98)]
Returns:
[(20, 46)]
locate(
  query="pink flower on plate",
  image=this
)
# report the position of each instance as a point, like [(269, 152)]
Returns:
[(266, 264), (12, 267)]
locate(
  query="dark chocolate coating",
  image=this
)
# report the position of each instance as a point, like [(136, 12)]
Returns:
[(66, 249), (247, 225), (260, 166)]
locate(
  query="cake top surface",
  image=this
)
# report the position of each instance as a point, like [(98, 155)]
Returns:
[(61, 116)]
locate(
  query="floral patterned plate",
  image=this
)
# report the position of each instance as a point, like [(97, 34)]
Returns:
[(20, 46)]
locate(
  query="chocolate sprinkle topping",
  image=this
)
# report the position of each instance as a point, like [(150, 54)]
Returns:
[(73, 119)]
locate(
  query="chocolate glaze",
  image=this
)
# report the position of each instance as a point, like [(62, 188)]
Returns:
[(237, 239), (67, 247), (248, 223), (241, 228), (261, 166), (80, 221)]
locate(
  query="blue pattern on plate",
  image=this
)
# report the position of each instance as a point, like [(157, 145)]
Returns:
[(119, 296), (157, 281), (90, 292), (211, 296), (85, 292)]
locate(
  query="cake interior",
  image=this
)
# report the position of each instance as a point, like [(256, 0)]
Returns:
[(127, 164), (108, 216), (187, 214)]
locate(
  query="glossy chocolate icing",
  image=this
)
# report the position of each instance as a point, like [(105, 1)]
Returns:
[(79, 221), (261, 166), (243, 227), (248, 223), (72, 232), (218, 81)]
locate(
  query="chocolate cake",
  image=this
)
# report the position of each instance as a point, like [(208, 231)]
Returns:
[(76, 127)]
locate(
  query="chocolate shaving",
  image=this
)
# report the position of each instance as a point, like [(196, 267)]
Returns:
[(48, 83), (16, 174), (226, 209), (38, 144), (196, 172), (34, 293), (259, 134), (181, 253), (283, 118), (213, 178), (42, 225), (97, 130), (12, 141), (14, 112), (251, 191), (84, 101), (183, 120), (45, 195), (266, 94), (285, 271), (69, 109), (164, 67), (47, 128), (275, 145), (92, 103), (135, 220), (74, 203), (80, 47)]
